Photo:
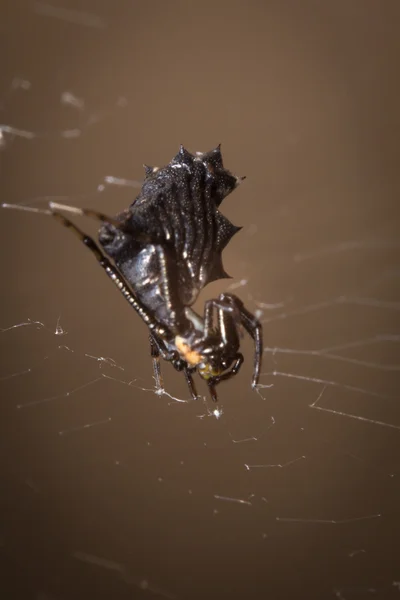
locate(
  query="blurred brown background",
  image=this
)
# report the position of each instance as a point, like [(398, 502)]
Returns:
[(109, 491)]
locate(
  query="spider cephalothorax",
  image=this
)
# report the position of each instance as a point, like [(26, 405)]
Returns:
[(165, 248)]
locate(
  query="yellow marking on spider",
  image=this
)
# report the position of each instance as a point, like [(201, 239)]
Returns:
[(192, 357)]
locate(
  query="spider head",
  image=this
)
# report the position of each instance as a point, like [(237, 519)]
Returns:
[(215, 361), (210, 359)]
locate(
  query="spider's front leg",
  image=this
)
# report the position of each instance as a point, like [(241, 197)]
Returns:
[(234, 370), (231, 316), (253, 328), (221, 340)]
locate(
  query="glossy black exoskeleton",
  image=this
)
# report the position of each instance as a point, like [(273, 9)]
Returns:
[(165, 248)]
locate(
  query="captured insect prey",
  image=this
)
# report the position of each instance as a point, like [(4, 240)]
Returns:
[(162, 251)]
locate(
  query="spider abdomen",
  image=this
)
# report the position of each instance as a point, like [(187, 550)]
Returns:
[(176, 212), (177, 208)]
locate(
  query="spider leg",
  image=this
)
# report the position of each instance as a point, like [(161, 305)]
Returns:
[(231, 314), (155, 355), (190, 383), (234, 370), (55, 206), (228, 320), (227, 329), (85, 212), (157, 348), (253, 328), (208, 318)]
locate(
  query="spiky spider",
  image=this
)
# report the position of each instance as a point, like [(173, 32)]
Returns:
[(165, 248)]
